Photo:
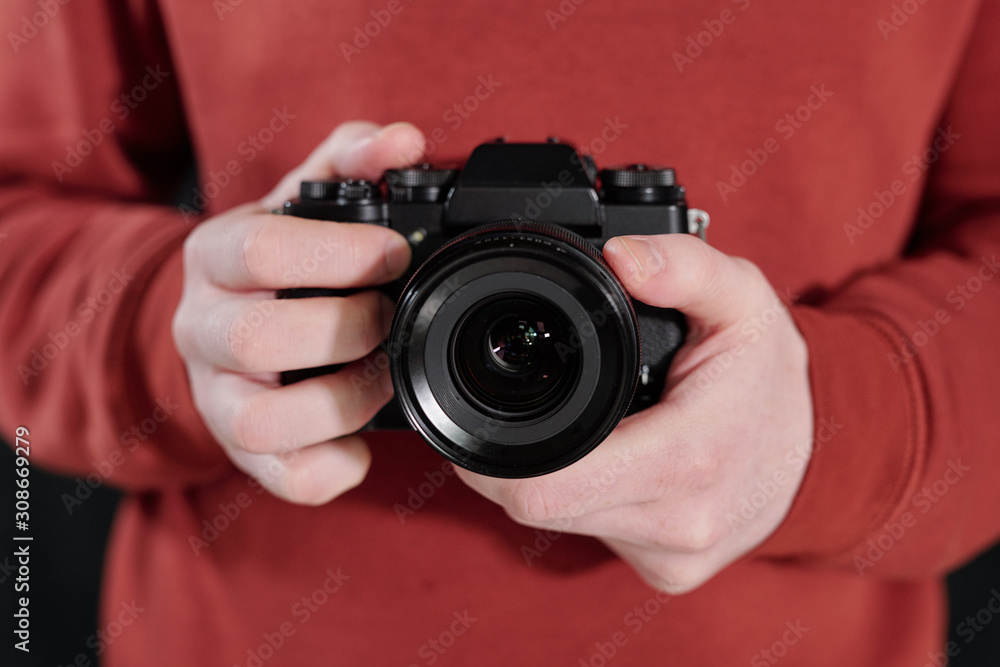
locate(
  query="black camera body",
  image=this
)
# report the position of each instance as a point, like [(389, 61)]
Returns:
[(514, 349)]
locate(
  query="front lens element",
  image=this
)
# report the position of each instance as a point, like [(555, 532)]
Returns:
[(514, 355), (515, 343)]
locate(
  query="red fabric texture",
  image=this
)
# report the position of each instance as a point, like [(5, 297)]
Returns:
[(842, 99)]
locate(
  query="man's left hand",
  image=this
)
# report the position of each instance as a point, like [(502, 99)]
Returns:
[(668, 491)]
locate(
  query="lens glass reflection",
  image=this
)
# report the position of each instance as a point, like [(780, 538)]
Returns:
[(515, 353)]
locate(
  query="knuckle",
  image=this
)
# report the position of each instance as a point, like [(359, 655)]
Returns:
[(676, 577), (370, 322), (301, 486), (191, 252), (672, 583), (530, 502), (710, 273), (235, 344), (304, 485), (354, 410), (180, 330), (699, 535), (242, 347), (757, 288), (254, 252), (350, 252), (253, 425), (748, 269), (703, 468), (687, 580), (205, 405), (352, 324)]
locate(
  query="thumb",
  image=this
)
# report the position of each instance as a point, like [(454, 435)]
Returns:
[(680, 271), (356, 149)]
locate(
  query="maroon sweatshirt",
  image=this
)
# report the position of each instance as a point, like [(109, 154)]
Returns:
[(851, 149)]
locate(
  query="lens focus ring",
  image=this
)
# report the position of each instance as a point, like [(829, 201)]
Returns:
[(515, 349)]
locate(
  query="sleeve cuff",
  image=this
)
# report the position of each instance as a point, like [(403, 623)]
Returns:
[(870, 435), (188, 451)]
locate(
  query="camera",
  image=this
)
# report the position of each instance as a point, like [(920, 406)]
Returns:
[(514, 350)]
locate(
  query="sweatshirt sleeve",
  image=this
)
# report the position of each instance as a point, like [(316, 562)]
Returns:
[(90, 118), (904, 362)]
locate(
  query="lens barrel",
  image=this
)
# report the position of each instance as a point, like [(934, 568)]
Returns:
[(514, 349)]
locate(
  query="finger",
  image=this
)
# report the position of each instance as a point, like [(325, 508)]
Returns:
[(277, 252), (311, 475), (676, 527), (257, 419), (357, 149), (271, 335), (679, 271), (626, 469)]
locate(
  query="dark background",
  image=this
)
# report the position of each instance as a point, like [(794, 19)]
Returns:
[(68, 550)]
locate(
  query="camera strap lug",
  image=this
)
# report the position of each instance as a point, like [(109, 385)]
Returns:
[(698, 222)]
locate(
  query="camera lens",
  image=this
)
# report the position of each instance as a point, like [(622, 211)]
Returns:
[(514, 349), (514, 344), (511, 356)]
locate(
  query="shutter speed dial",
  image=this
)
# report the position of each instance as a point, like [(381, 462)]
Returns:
[(641, 184)]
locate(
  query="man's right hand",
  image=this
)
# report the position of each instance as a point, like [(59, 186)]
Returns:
[(235, 337)]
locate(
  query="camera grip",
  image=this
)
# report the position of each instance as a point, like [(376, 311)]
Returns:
[(661, 332)]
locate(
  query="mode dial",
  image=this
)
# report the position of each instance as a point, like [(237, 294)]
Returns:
[(419, 184), (340, 191), (640, 184)]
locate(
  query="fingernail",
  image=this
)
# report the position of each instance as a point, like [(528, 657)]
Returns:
[(397, 255), (647, 257)]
